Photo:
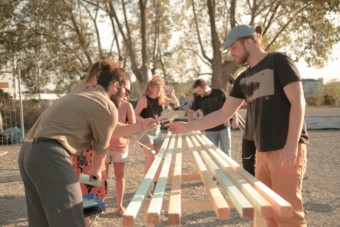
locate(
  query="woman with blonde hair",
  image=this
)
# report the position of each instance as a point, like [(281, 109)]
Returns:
[(151, 105)]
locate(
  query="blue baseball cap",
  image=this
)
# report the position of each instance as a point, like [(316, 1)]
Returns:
[(235, 33)]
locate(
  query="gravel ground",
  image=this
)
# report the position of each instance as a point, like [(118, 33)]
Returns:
[(320, 189)]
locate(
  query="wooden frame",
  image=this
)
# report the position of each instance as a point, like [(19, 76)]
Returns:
[(250, 197)]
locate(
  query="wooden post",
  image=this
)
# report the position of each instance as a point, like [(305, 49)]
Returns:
[(242, 205), (280, 206), (220, 205), (155, 206), (175, 206), (255, 198)]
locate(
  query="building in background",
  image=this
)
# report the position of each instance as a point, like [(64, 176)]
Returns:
[(311, 86)]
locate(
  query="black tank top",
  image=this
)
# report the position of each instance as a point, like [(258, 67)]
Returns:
[(153, 109)]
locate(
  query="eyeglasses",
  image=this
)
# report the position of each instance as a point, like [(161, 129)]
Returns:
[(127, 91)]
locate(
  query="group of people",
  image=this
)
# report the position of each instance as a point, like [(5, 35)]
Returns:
[(88, 129)]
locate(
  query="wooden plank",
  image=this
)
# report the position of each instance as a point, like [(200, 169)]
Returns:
[(134, 207), (280, 206), (175, 208), (255, 198), (191, 177), (220, 205), (155, 208), (242, 205), (186, 205), (259, 220)]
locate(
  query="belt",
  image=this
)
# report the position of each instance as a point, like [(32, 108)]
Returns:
[(45, 140)]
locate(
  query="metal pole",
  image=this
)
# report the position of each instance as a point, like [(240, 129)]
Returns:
[(21, 107)]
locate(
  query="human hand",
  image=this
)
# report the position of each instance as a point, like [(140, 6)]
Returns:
[(288, 157), (178, 127), (95, 175), (235, 124), (171, 91), (149, 124)]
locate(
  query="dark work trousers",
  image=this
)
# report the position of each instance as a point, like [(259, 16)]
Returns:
[(248, 155), (52, 189)]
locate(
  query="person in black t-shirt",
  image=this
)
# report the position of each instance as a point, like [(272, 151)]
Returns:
[(209, 100), (272, 86)]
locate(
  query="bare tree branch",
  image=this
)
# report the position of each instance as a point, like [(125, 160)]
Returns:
[(198, 33)]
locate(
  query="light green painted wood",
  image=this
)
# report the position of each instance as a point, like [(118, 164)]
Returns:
[(155, 206), (242, 205), (279, 205), (134, 207), (259, 202), (175, 205)]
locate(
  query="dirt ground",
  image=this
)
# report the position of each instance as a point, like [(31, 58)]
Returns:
[(320, 189)]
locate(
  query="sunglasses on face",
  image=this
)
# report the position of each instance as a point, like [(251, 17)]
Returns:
[(127, 91)]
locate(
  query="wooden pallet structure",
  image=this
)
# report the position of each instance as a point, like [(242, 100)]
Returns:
[(250, 197)]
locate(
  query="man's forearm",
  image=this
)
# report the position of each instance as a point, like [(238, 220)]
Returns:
[(218, 117), (98, 161)]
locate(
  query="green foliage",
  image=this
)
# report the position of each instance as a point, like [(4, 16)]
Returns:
[(60, 37), (329, 95)]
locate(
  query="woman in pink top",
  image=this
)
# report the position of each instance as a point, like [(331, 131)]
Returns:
[(119, 151)]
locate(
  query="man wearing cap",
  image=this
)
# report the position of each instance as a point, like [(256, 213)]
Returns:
[(272, 86)]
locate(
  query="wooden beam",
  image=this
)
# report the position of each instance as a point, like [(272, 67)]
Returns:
[(242, 205), (175, 208), (255, 198), (186, 205), (155, 208), (134, 207), (220, 205), (280, 206), (191, 177)]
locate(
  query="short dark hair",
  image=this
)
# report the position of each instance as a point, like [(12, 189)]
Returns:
[(199, 83), (110, 73)]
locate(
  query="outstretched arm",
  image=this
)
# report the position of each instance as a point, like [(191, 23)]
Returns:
[(211, 120), (123, 130)]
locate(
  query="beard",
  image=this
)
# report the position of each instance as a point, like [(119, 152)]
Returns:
[(116, 98), (244, 58)]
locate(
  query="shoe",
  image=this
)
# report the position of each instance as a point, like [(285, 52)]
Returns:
[(120, 211)]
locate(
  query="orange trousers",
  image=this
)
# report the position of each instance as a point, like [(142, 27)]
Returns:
[(286, 183)]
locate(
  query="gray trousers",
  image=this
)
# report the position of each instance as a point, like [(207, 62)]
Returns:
[(52, 189)]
